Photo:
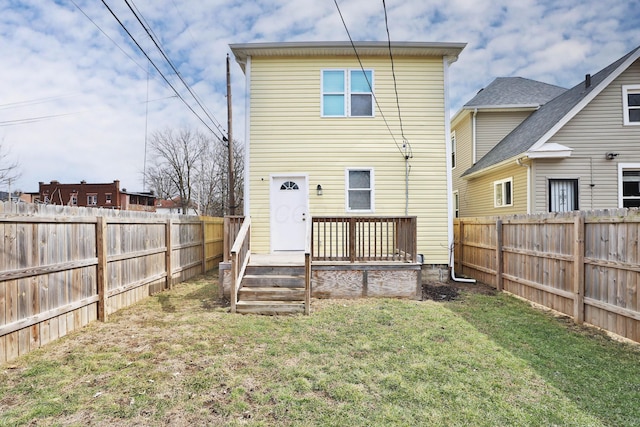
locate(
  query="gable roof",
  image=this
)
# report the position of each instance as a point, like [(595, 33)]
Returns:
[(343, 48), (549, 118), (514, 92)]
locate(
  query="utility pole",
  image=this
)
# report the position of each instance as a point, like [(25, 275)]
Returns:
[(232, 197)]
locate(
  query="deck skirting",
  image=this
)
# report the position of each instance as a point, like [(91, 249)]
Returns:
[(357, 280)]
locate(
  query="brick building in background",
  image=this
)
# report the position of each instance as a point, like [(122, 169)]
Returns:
[(101, 195)]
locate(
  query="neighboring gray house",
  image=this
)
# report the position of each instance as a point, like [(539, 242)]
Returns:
[(524, 146)]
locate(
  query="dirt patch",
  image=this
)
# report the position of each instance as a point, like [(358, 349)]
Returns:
[(439, 291)]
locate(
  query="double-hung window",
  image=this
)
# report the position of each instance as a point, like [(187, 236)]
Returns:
[(347, 93), (359, 194), (453, 149), (631, 104), (629, 184), (503, 193), (92, 199)]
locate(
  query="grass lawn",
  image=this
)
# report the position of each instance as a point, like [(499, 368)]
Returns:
[(180, 359)]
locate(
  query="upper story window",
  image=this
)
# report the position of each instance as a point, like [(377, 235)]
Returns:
[(631, 104), (359, 183), (347, 93), (503, 193), (74, 199), (453, 150), (108, 198), (92, 200)]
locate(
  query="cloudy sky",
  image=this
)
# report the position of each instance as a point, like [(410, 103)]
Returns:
[(75, 99)]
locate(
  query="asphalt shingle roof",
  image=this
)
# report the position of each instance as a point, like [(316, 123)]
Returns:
[(514, 91), (523, 137)]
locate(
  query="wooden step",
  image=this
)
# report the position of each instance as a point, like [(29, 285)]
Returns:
[(270, 294), (270, 307), (282, 270), (272, 280)]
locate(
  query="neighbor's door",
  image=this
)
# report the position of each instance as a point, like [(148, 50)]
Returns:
[(289, 212)]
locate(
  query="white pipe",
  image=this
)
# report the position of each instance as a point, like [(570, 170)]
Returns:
[(453, 273), (473, 136)]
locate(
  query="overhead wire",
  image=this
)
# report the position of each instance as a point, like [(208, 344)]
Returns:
[(405, 141), (158, 70), (154, 38), (367, 78)]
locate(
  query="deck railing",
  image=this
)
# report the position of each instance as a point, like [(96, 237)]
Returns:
[(232, 225), (240, 255), (307, 267), (361, 239)]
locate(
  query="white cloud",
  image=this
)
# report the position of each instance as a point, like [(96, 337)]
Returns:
[(53, 53)]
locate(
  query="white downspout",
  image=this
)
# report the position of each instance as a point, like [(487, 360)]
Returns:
[(473, 136), (446, 61)]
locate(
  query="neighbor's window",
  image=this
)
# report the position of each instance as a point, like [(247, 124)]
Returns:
[(347, 93), (503, 193), (92, 200), (631, 104), (563, 195), (359, 183), (453, 150), (74, 199), (630, 188), (456, 203), (108, 198)]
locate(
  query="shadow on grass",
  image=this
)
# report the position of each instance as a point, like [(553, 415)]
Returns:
[(207, 292), (600, 375)]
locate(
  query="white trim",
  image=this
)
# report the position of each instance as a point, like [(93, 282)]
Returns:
[(456, 197), (501, 183), (621, 167), (372, 189), (446, 63), (586, 100), (634, 89), (550, 150), (247, 139), (473, 137)]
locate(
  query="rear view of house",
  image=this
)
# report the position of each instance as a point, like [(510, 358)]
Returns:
[(327, 136)]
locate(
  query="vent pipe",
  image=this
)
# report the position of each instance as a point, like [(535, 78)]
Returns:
[(587, 81)]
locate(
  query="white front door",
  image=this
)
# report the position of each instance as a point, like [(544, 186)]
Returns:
[(289, 212)]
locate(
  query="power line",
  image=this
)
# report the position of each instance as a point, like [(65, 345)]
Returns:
[(153, 37), (395, 84), (367, 78), (158, 70)]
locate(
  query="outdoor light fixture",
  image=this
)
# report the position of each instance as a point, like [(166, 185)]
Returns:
[(319, 190), (611, 156)]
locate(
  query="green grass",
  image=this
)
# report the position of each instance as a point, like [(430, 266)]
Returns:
[(181, 359)]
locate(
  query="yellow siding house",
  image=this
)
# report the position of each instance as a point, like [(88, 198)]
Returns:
[(357, 131)]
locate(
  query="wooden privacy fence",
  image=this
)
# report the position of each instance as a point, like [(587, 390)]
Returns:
[(62, 267), (585, 265)]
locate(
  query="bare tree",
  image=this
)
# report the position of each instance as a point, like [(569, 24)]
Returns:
[(192, 166), (174, 155), (8, 168)]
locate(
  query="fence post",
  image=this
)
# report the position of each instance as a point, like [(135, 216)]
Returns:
[(578, 268), (101, 252), (167, 263), (203, 227), (460, 258), (499, 259), (226, 245)]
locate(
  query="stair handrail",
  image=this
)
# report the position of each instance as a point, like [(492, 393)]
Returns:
[(307, 266), (240, 255)]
